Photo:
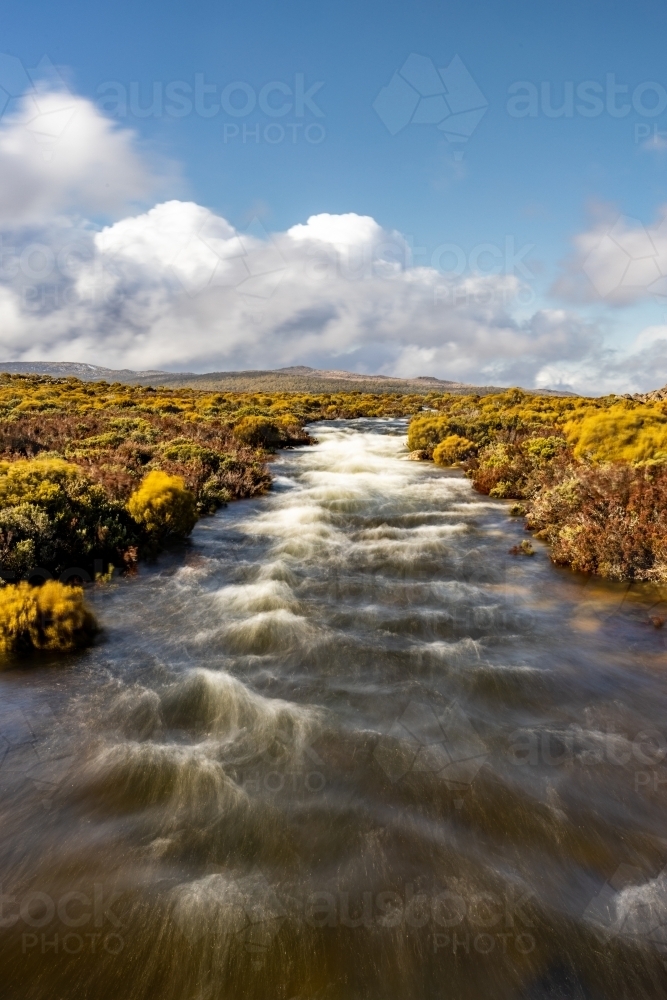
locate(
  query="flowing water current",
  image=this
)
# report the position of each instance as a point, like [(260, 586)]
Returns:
[(342, 746)]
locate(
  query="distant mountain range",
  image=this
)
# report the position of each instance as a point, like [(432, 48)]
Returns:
[(298, 378)]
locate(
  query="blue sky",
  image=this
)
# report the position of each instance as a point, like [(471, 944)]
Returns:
[(536, 180)]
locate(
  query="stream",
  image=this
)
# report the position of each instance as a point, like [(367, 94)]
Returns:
[(343, 745)]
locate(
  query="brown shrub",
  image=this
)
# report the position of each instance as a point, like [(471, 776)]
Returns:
[(611, 521)]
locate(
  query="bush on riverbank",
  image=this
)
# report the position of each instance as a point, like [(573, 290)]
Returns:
[(487, 419), (516, 469), (270, 432), (53, 516), (610, 520), (453, 449), (80, 450), (591, 473), (621, 433), (50, 618), (109, 438), (164, 507)]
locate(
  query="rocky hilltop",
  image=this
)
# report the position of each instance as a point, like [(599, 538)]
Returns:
[(655, 396)]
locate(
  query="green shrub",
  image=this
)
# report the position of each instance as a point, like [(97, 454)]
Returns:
[(25, 530), (516, 470), (270, 433), (182, 450), (212, 495), (53, 516), (542, 450), (99, 441), (501, 470)]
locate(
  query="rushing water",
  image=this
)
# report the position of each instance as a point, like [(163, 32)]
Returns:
[(344, 746)]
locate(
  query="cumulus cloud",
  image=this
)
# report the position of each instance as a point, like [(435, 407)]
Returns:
[(179, 287), (58, 153), (617, 260), (339, 231), (640, 366)]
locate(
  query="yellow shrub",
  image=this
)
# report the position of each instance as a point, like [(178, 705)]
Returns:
[(53, 617), (453, 449), (39, 480), (426, 432), (163, 506), (620, 434), (257, 431)]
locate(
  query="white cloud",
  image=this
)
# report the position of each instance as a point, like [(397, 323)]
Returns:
[(340, 231), (641, 366), (179, 287), (650, 336), (58, 153), (618, 260)]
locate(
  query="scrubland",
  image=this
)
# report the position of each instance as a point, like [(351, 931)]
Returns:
[(95, 476), (589, 475)]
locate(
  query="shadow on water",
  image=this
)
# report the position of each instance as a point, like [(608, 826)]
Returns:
[(343, 746)]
